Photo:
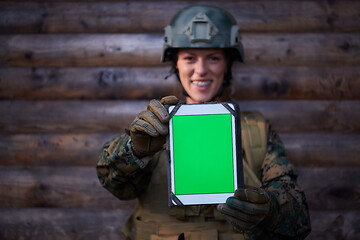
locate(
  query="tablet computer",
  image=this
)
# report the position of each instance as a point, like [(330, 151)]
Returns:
[(205, 154)]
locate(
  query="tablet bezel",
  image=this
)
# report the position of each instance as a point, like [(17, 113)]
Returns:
[(206, 109)]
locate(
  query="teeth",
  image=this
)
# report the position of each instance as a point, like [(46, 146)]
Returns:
[(201, 83)]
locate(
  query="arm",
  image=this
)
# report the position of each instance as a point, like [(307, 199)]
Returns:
[(120, 171), (124, 166), (277, 209), (279, 179)]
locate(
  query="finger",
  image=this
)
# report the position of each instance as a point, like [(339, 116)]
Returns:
[(240, 225), (252, 195), (243, 219), (139, 125), (248, 207), (150, 117), (169, 100), (159, 110)]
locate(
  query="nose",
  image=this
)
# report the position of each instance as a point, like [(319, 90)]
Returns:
[(200, 67)]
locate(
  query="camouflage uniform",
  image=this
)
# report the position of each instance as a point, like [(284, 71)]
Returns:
[(128, 177)]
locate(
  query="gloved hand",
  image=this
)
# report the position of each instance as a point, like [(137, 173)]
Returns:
[(149, 129), (249, 208)]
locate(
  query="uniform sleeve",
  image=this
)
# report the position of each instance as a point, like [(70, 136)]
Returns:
[(279, 178), (120, 171)]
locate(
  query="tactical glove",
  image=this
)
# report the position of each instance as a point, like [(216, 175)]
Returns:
[(249, 208), (149, 129)]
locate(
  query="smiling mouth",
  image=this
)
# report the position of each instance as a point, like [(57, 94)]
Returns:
[(201, 83)]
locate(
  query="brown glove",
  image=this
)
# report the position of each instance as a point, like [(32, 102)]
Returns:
[(149, 129), (249, 208)]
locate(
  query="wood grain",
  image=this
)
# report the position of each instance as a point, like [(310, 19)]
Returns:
[(323, 150), (62, 224), (78, 187), (329, 188), (73, 74), (114, 116), (56, 187), (51, 149), (146, 16), (334, 225), (68, 116), (114, 50), (249, 83), (93, 224), (70, 150)]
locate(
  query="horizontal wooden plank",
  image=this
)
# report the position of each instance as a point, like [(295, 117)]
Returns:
[(325, 150), (335, 225), (56, 187), (68, 116), (91, 50), (80, 50), (305, 150), (51, 149), (252, 83), (76, 187), (296, 83), (87, 83), (62, 224), (114, 116), (146, 16), (93, 224), (330, 188)]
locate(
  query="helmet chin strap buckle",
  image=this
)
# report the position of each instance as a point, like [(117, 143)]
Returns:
[(200, 29)]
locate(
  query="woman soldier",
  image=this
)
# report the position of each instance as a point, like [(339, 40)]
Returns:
[(202, 42)]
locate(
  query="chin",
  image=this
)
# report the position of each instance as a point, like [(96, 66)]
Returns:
[(201, 99)]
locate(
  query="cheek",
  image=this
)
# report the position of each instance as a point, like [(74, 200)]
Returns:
[(183, 78), (184, 73), (220, 72)]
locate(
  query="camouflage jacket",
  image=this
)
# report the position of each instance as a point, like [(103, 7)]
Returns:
[(128, 177)]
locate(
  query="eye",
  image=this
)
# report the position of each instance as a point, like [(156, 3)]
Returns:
[(214, 59), (188, 58)]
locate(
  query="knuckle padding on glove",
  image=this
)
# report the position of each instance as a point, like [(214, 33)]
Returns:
[(159, 111), (238, 216), (248, 207), (139, 125), (151, 119), (251, 195), (169, 100)]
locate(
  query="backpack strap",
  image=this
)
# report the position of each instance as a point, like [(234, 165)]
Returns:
[(254, 131)]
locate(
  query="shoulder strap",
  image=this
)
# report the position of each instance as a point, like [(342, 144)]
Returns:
[(254, 131)]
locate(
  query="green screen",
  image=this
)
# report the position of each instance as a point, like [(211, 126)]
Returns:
[(203, 154)]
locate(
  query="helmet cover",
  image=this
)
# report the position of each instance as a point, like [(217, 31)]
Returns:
[(202, 27)]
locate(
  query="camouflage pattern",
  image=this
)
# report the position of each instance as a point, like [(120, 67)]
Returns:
[(126, 177), (293, 219), (279, 177), (118, 170), (203, 27)]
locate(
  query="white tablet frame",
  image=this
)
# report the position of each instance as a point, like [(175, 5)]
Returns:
[(206, 109)]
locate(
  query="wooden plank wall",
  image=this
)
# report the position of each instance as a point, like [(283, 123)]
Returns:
[(74, 73)]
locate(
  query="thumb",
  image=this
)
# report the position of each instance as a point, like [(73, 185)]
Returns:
[(169, 100)]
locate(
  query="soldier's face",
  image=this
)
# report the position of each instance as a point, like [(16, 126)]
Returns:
[(201, 73)]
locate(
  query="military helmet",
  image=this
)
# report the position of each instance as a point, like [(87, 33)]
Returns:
[(202, 27)]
